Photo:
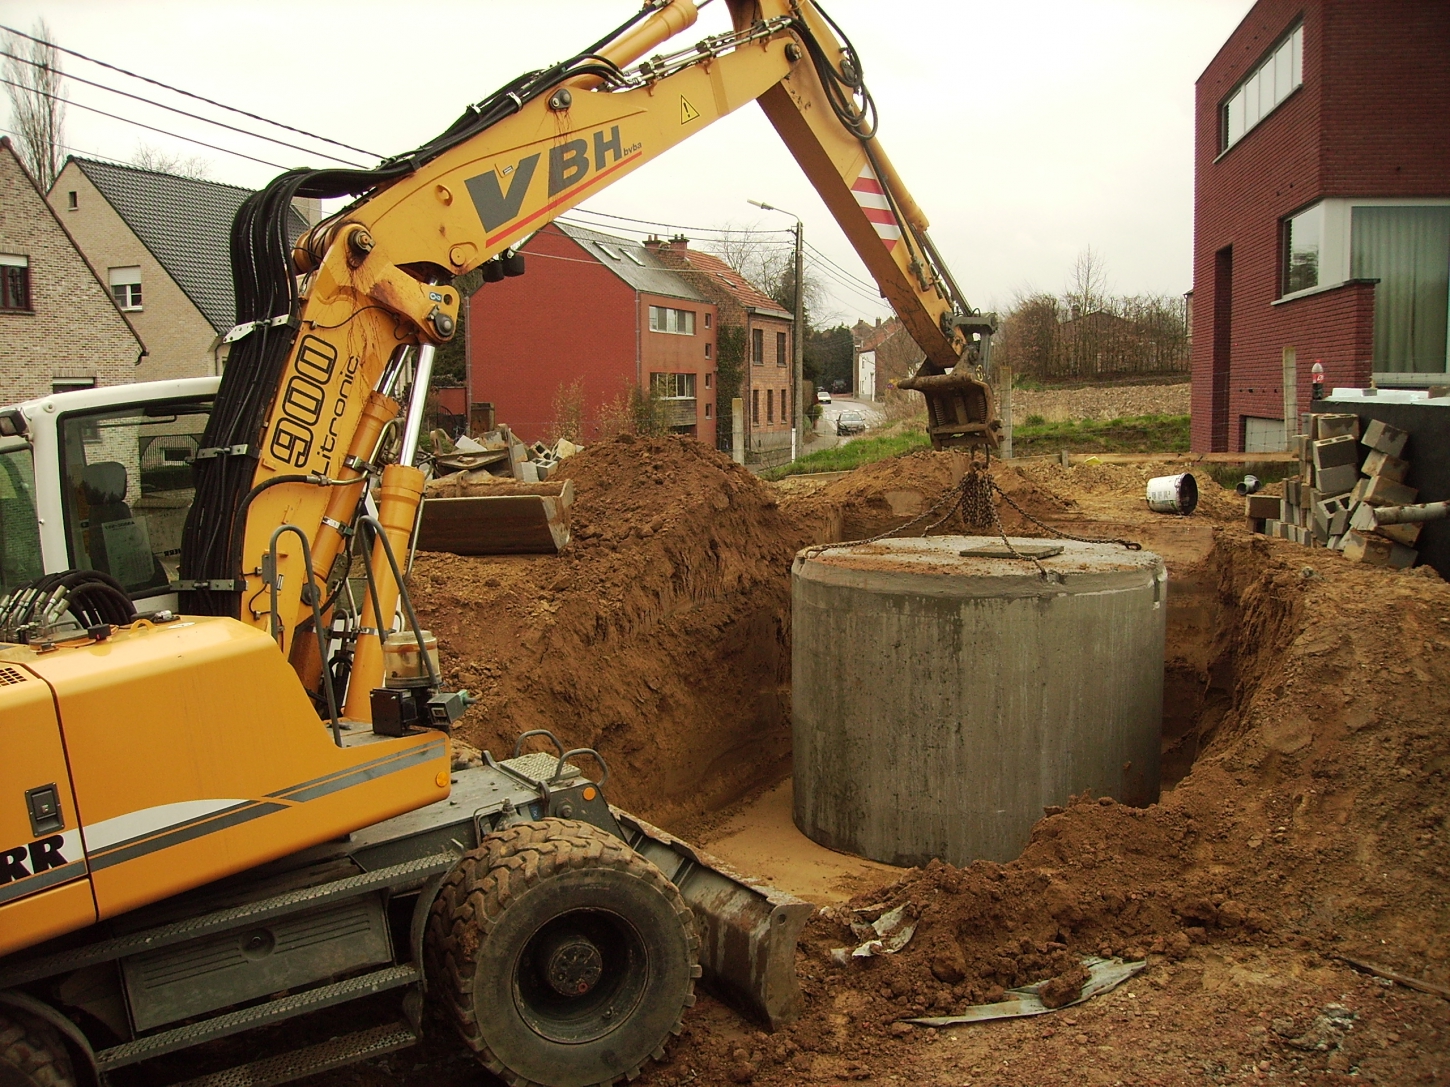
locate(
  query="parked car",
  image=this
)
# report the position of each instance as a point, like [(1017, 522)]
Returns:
[(838, 387), (822, 397), (850, 422)]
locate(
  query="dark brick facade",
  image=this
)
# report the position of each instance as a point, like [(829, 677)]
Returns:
[(1371, 120)]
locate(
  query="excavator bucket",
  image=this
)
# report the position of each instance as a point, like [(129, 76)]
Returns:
[(961, 412), (747, 932)]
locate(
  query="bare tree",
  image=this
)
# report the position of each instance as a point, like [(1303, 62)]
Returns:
[(148, 157), (743, 249), (769, 265), (1087, 285), (34, 84)]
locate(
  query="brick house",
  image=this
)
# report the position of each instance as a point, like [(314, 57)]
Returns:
[(599, 313), (1322, 210), (885, 353), (767, 329), (59, 326), (162, 244)]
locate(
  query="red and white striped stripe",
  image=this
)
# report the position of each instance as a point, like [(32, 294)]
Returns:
[(872, 197)]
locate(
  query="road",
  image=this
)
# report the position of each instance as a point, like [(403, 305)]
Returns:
[(825, 431)]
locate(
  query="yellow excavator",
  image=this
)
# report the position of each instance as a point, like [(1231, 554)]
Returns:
[(243, 810)]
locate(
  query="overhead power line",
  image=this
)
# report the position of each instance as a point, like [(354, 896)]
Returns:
[(151, 128), (193, 116), (681, 227), (197, 97), (848, 274)]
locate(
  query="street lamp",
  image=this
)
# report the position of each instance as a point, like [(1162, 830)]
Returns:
[(798, 417)]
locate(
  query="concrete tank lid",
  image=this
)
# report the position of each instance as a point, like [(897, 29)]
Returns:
[(937, 565)]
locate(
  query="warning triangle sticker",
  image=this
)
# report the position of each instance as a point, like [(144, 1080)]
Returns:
[(687, 112)]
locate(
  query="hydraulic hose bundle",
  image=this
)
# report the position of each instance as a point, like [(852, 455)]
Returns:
[(93, 599), (266, 289)]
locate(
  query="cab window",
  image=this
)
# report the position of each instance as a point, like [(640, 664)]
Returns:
[(20, 559), (127, 487)]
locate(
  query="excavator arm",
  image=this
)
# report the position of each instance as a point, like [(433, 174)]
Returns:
[(375, 299)]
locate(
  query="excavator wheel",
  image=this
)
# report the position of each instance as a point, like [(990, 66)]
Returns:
[(32, 1054), (566, 959)]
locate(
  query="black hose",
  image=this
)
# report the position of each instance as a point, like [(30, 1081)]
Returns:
[(266, 288)]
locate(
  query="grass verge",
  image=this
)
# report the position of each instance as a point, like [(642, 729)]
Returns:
[(852, 455), (1140, 434)]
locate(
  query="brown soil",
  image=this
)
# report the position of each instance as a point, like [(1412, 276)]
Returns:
[(1306, 759), (659, 638)]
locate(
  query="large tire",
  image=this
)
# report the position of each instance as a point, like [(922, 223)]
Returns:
[(32, 1054), (565, 958)]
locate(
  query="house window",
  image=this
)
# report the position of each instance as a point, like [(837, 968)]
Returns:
[(71, 384), (14, 282), (780, 348), (72, 201), (1276, 77), (707, 350), (757, 346), (709, 411), (707, 320), (770, 405), (681, 322), (1408, 250), (126, 287), (755, 405), (707, 380), (1303, 234), (673, 386), (784, 408)]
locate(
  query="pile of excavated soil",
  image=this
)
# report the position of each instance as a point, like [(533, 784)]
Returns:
[(1312, 825), (1309, 821), (659, 637), (879, 497)]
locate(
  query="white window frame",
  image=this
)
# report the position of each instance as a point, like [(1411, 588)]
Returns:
[(671, 321), (1272, 82), (127, 277), (673, 385)]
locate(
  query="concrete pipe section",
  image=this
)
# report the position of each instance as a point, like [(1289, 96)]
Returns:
[(945, 693)]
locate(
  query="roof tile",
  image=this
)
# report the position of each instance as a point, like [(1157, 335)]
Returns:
[(186, 223)]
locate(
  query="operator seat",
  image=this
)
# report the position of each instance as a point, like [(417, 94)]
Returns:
[(123, 551)]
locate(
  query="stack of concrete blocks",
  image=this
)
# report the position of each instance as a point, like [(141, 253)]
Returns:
[(524, 463), (1341, 476), (1383, 484)]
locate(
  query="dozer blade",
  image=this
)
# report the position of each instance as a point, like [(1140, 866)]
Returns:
[(747, 932), (960, 410)]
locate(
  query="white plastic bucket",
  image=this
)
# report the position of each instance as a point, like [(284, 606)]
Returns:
[(1173, 494)]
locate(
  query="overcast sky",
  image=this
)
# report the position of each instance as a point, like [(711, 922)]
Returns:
[(1026, 131)]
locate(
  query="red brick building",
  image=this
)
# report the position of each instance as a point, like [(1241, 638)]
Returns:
[(1322, 209), (600, 313), (765, 375)]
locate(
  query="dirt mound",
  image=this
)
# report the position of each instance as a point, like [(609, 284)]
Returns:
[(1115, 491), (885, 495), (1312, 825), (660, 637)]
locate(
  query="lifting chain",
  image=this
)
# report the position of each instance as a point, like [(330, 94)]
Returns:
[(972, 499)]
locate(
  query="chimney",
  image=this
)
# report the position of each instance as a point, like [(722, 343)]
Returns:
[(679, 242), (653, 242), (878, 322)]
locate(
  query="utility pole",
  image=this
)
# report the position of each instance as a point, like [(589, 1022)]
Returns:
[(798, 362), (798, 431)]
